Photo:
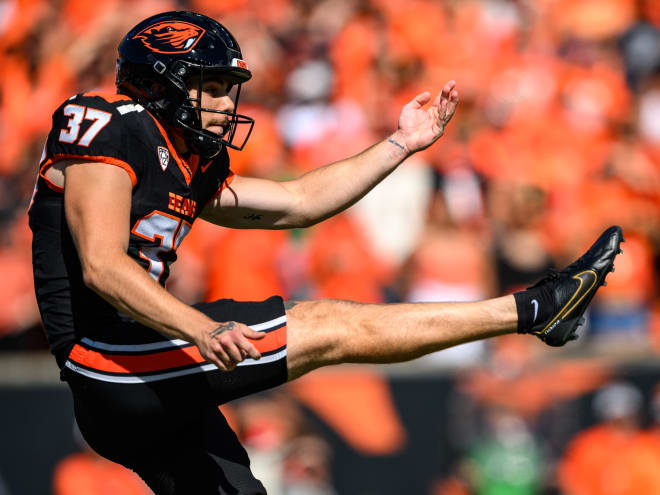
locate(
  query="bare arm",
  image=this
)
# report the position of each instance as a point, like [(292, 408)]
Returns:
[(258, 203), (326, 191), (97, 204)]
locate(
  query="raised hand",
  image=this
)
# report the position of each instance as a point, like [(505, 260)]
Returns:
[(228, 344), (421, 127)]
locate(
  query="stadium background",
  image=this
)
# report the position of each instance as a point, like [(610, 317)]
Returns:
[(557, 136)]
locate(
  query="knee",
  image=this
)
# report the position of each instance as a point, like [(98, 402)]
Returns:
[(319, 333)]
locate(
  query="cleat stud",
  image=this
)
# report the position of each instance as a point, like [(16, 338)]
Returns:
[(620, 251)]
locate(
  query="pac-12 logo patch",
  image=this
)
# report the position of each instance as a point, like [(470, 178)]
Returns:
[(163, 157), (170, 36)]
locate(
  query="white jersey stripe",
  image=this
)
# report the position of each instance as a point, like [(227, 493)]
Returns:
[(153, 346), (166, 344), (168, 374), (260, 327)]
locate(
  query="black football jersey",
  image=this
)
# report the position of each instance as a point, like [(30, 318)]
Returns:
[(169, 192)]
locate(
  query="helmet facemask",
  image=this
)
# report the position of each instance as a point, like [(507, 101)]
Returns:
[(184, 113), (188, 115)]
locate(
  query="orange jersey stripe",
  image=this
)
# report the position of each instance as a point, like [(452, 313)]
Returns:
[(131, 363), (273, 340), (159, 361), (97, 158)]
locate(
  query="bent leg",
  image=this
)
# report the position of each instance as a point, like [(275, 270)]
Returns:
[(208, 459), (324, 332)]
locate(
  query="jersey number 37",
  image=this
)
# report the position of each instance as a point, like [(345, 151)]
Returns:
[(79, 113)]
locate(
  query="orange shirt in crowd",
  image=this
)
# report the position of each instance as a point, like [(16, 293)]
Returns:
[(264, 155), (341, 265), (526, 388), (608, 460), (89, 474), (215, 263), (591, 19), (243, 265)]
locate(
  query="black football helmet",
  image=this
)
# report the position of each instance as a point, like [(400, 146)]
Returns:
[(163, 55)]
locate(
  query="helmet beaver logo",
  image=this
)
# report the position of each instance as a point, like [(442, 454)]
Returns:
[(171, 36)]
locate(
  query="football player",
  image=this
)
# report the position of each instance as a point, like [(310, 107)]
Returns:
[(121, 182)]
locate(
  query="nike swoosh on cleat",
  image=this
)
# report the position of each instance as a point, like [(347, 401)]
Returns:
[(535, 303), (587, 281)]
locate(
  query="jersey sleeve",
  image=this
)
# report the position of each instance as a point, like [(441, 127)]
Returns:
[(90, 127)]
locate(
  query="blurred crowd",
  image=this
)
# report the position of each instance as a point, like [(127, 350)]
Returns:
[(507, 451), (556, 137)]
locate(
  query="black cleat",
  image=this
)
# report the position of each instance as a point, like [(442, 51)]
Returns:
[(574, 287)]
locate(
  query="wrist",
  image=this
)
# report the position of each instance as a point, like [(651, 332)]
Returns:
[(201, 330), (398, 142)]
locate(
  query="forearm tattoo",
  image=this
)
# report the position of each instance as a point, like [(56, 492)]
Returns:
[(390, 140), (223, 327)]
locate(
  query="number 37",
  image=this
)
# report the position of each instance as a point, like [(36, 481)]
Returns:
[(79, 113)]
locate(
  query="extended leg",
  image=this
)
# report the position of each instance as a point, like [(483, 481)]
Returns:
[(331, 332), (320, 333)]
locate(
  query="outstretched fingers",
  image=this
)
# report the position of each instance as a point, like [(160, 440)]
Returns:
[(452, 103), (445, 94), (445, 103), (447, 89)]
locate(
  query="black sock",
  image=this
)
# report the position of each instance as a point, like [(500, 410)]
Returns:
[(534, 306)]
